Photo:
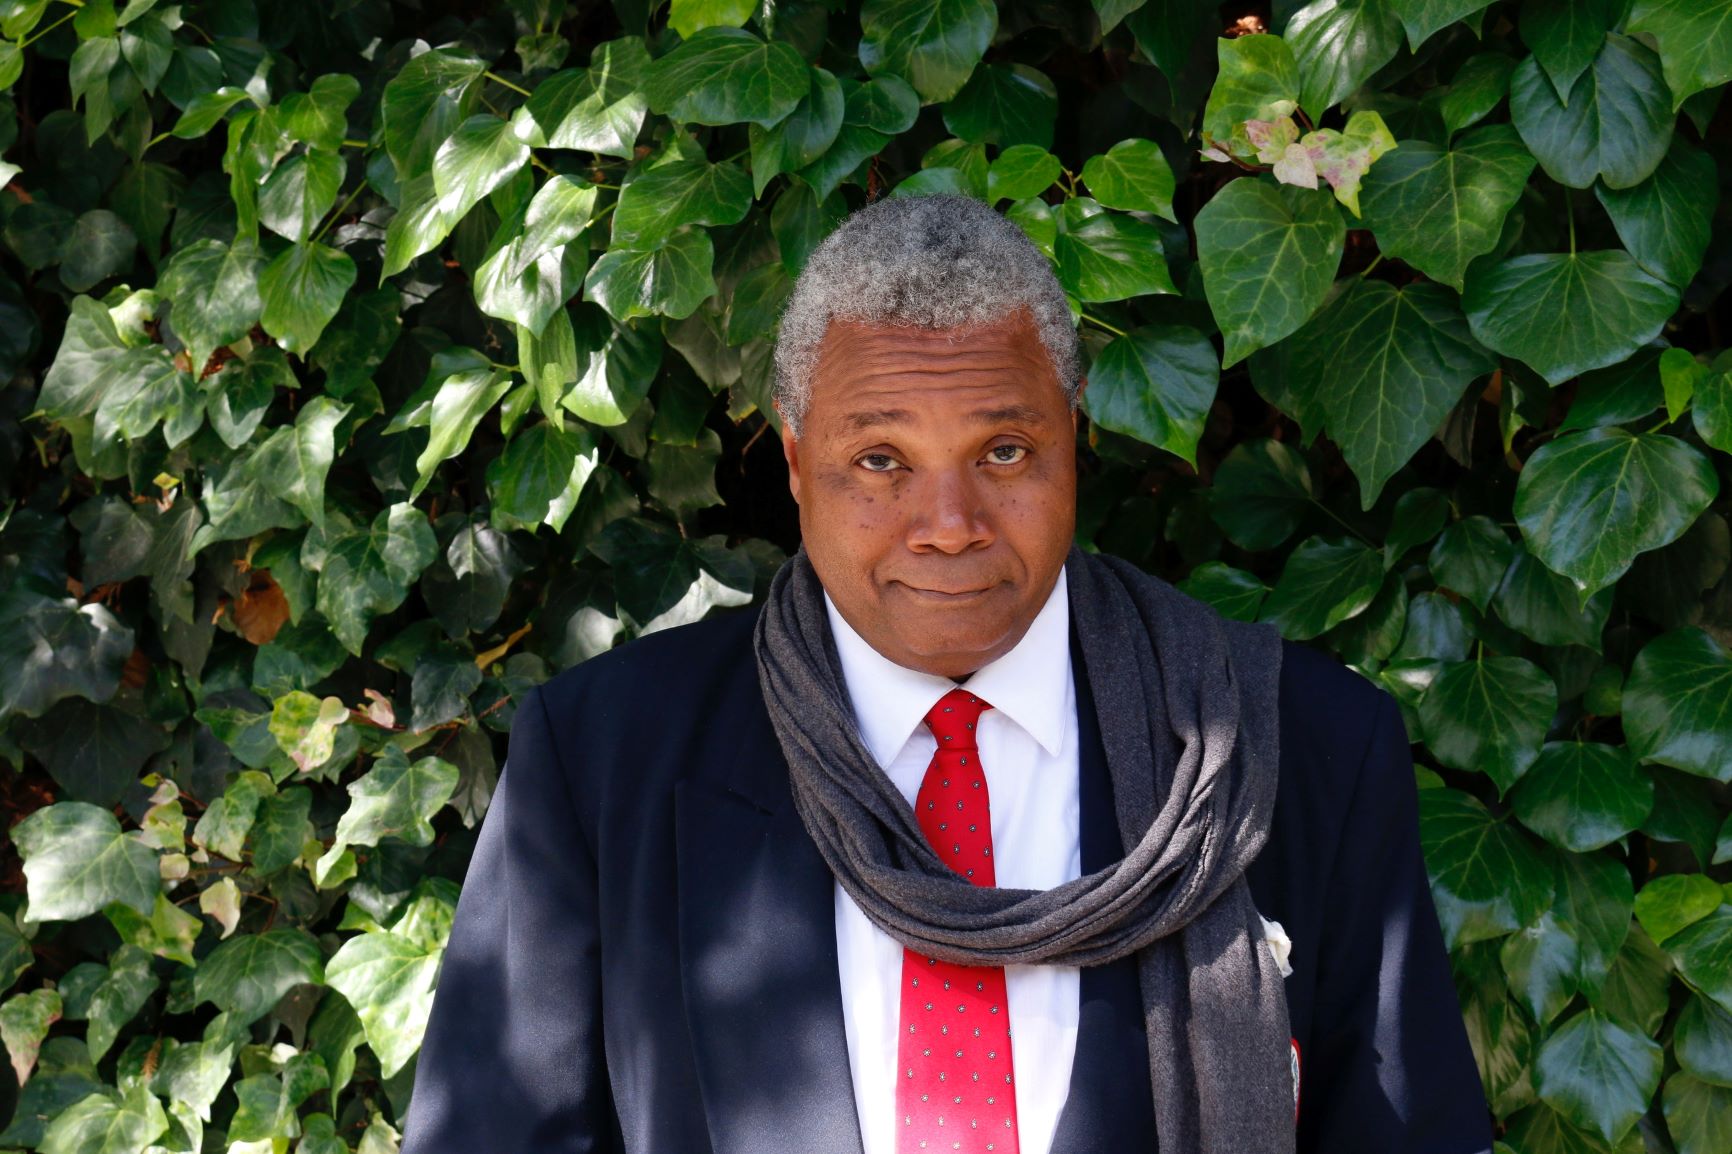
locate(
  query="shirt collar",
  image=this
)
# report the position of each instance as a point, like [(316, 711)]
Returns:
[(1031, 684)]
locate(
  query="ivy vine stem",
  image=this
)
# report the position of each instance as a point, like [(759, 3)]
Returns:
[(504, 83), (337, 213), (40, 33), (1100, 324)]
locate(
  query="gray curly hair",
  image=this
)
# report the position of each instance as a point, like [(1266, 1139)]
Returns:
[(936, 262)]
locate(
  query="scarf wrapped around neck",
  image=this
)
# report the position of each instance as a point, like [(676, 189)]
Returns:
[(1186, 701)]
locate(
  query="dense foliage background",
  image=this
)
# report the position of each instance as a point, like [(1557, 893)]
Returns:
[(366, 363)]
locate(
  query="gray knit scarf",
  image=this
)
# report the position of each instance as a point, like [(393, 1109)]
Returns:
[(1186, 701)]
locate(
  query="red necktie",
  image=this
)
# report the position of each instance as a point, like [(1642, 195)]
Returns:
[(954, 1090)]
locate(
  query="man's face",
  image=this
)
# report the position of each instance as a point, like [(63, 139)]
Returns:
[(936, 478)]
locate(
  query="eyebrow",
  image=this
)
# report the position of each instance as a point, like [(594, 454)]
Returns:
[(872, 418)]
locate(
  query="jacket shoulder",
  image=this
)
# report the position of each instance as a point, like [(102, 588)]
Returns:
[(1329, 713), (686, 662)]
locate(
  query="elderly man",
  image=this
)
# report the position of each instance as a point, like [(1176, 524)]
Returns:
[(966, 840)]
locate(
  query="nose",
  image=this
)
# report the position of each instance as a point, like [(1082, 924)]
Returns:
[(949, 516)]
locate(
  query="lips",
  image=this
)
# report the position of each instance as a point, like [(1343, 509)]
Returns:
[(943, 594)]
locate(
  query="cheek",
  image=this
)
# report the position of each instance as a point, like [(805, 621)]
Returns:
[(850, 514)]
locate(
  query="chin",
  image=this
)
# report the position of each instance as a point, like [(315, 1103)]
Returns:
[(954, 645)]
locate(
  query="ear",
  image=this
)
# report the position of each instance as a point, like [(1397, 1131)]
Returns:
[(790, 452)]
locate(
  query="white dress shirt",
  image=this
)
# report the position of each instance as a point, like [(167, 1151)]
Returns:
[(1028, 751)]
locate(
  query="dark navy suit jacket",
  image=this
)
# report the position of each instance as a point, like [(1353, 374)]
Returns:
[(644, 953)]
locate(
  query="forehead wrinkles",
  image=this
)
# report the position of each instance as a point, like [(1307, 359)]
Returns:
[(859, 353)]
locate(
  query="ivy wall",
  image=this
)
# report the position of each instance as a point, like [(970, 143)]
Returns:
[(366, 363)]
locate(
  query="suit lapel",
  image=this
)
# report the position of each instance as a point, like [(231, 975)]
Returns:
[(758, 959), (1109, 1105)]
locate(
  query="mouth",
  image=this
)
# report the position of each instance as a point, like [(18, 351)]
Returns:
[(943, 596)]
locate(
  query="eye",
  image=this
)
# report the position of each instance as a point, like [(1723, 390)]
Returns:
[(1018, 453), (869, 458)]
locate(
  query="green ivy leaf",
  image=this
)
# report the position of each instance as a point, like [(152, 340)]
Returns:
[(107, 1123), (672, 280), (299, 192), (1702, 952), (467, 586), (1470, 557), (801, 138), (318, 117), (1593, 905), (368, 570), (1386, 365), (1479, 86), (1486, 878), (1156, 384), (1422, 18), (100, 245), (395, 799), (689, 16), (420, 225), (484, 153), (248, 975), (1635, 989), (1167, 31), (620, 361), (1541, 961), (239, 396), (1668, 904), (306, 728), (1262, 493), (1566, 313), (1324, 582), (280, 829), (887, 104), (1338, 45), (598, 109), (1695, 39), (1236, 593), (662, 577), (1538, 603), (1566, 35), (932, 44), (1581, 796), (1616, 123), (1666, 219), (1132, 175), (1702, 1041), (1108, 256), (1489, 715), (671, 196), (460, 402), (1004, 105), (1698, 1114), (1598, 1073), (301, 291), (53, 647), (423, 105), (24, 1022), (94, 752), (120, 997), (1438, 208), (725, 76), (1589, 502), (1678, 704), (206, 111), (389, 980), (214, 288), (1268, 255), (1258, 79), (77, 860)]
